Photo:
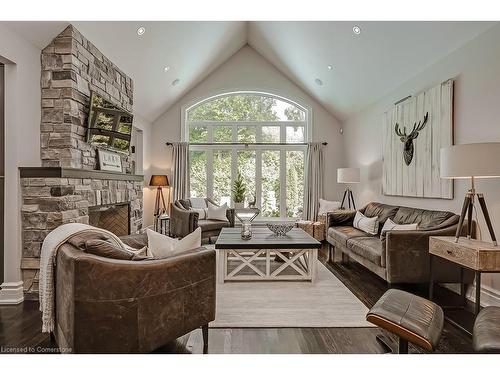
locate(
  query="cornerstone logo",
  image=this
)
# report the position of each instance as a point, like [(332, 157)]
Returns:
[(31, 350)]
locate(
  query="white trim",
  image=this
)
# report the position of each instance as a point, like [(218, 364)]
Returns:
[(297, 101), (11, 293), (246, 123), (489, 296)]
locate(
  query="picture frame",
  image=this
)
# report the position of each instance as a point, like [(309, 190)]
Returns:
[(109, 161)]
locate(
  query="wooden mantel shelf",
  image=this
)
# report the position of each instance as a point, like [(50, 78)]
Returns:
[(57, 172)]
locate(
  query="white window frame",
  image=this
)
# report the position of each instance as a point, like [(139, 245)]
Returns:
[(283, 148)]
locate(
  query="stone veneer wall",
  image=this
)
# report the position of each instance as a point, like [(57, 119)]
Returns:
[(72, 67), (51, 202)]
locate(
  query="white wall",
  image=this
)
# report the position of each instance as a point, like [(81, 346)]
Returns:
[(248, 70), (477, 119), (22, 134)]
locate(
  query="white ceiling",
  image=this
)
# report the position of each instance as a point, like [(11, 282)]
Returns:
[(365, 66)]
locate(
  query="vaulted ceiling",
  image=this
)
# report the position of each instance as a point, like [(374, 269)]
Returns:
[(364, 67)]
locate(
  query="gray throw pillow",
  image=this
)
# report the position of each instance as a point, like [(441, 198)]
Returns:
[(107, 249), (81, 238)]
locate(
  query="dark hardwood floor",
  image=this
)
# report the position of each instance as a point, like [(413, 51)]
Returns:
[(20, 328)]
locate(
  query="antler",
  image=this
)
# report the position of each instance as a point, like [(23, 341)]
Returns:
[(420, 126), (398, 132)]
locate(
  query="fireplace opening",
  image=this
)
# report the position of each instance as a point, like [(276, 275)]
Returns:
[(112, 217)]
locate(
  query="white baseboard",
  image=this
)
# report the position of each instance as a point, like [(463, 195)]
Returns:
[(11, 293), (489, 296)]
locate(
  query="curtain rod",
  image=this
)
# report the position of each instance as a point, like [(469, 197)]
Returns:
[(410, 96), (248, 144)]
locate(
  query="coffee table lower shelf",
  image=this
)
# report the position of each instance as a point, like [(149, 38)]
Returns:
[(267, 264)]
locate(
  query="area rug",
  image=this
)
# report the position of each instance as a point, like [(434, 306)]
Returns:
[(326, 303)]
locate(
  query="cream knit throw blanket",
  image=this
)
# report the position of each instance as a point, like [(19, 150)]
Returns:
[(50, 245)]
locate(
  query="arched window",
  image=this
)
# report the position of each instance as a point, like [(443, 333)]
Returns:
[(257, 136)]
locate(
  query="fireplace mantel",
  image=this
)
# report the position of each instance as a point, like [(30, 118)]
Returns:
[(58, 172)]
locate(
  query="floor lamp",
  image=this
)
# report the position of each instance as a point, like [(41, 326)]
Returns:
[(472, 161), (348, 176), (159, 181)]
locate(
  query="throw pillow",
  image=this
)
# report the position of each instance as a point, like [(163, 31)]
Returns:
[(198, 203), (79, 240), (366, 224), (391, 225), (162, 246), (107, 249), (327, 206), (202, 212), (136, 241), (217, 212)]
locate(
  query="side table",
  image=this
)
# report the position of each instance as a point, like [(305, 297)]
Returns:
[(315, 229), (162, 224), (478, 256)]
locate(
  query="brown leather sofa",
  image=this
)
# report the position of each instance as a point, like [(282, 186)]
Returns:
[(398, 256), (486, 333), (106, 305), (183, 220)]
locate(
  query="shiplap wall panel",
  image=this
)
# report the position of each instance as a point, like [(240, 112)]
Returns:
[(422, 177)]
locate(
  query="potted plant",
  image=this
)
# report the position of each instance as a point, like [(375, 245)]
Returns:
[(239, 190)]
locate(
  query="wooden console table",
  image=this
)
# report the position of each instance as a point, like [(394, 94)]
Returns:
[(478, 256)]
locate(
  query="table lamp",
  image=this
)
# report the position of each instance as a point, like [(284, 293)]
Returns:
[(159, 181), (348, 176), (472, 161)]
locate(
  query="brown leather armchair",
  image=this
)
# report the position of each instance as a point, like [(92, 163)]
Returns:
[(119, 306), (184, 220)]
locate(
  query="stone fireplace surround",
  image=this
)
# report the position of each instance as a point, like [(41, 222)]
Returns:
[(67, 184)]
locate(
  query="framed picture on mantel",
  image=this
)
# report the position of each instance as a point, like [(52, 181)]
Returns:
[(109, 161)]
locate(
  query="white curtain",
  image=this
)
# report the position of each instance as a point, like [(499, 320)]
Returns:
[(314, 180), (180, 171)]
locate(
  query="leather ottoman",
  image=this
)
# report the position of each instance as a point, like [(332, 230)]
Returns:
[(413, 319)]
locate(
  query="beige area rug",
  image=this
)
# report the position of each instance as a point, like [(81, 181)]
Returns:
[(326, 303)]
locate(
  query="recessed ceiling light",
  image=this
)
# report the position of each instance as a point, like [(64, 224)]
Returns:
[(356, 30), (318, 82), (141, 30), (330, 67), (167, 68), (175, 82)]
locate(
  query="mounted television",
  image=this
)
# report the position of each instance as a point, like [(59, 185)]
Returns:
[(109, 126)]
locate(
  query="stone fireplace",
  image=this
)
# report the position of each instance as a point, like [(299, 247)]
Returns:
[(67, 188)]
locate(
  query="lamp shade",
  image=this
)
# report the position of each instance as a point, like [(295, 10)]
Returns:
[(159, 180), (348, 175), (479, 160)]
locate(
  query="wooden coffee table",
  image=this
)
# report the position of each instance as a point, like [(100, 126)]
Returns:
[(254, 259)]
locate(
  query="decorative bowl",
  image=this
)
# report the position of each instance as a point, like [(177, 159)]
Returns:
[(280, 229)]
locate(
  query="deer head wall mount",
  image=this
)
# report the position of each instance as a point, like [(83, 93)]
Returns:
[(407, 139)]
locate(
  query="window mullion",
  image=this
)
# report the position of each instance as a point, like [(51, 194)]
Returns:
[(210, 164), (234, 171), (210, 172), (282, 132), (283, 183), (282, 171), (258, 169)]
